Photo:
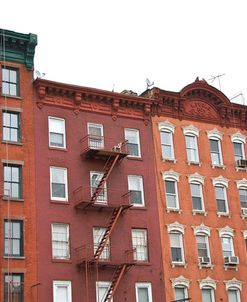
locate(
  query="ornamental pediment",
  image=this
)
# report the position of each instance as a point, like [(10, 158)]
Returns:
[(200, 109)]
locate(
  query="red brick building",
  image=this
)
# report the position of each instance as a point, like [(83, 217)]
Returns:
[(200, 146), (97, 223), (17, 177)]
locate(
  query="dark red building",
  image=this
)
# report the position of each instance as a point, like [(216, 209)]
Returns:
[(97, 221)]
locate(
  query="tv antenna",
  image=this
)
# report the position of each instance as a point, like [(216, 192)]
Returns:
[(149, 83), (237, 95), (213, 78)]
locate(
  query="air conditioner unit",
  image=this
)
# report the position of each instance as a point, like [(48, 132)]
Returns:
[(242, 163), (244, 212), (233, 260), (204, 260)]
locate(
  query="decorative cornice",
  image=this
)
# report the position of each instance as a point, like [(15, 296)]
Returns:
[(226, 231), (207, 282), (233, 283), (196, 178), (202, 229), (180, 281), (175, 227), (17, 47)]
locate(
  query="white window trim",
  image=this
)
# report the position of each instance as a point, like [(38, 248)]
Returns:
[(64, 131), (231, 244), (105, 255), (212, 292), (65, 183), (202, 229), (192, 131), (201, 195), (207, 246), (238, 293), (233, 283), (172, 176), (99, 126), (143, 246), (56, 284), (180, 281), (68, 239), (180, 287), (238, 137), (99, 284), (144, 285), (172, 158), (138, 141), (104, 187), (242, 147), (181, 245), (140, 179)]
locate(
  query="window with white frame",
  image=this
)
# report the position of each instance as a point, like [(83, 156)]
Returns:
[(171, 179), (203, 248), (191, 148), (62, 291), (233, 295), (57, 132), (208, 294), (177, 248), (238, 140), (96, 136), (133, 142), (221, 199), (95, 178), (60, 241), (58, 183), (98, 233), (227, 246), (139, 244), (180, 292), (166, 137), (143, 292), (215, 149), (135, 187), (197, 196), (243, 197), (102, 288)]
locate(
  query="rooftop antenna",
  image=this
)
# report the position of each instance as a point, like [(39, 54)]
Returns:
[(39, 75), (149, 83), (113, 87), (237, 95), (213, 78)]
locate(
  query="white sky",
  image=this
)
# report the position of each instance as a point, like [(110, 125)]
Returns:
[(101, 43)]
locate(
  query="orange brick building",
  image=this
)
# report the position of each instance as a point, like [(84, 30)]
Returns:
[(17, 206), (200, 147)]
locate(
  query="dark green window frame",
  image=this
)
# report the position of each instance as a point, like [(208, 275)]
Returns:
[(10, 81), (11, 126), (14, 287), (13, 238), (12, 183)]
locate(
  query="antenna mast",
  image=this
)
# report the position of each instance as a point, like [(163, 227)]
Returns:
[(213, 78)]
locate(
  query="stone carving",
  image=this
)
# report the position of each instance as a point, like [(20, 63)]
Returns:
[(200, 109)]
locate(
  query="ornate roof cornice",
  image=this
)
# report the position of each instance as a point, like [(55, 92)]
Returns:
[(17, 47)]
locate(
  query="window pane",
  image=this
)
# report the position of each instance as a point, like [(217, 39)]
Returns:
[(132, 145), (171, 195), (238, 151), (207, 295), (139, 243), (233, 295), (143, 294), (57, 175), (179, 293), (243, 197), (57, 132)]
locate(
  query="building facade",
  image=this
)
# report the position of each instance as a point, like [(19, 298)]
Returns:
[(97, 222), (200, 147), (17, 207)]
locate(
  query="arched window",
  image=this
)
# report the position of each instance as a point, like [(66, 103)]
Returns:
[(215, 138), (176, 232), (238, 141), (242, 189), (234, 288), (202, 234), (220, 185), (166, 137), (226, 235), (191, 134), (180, 286), (196, 182), (208, 287), (171, 179)]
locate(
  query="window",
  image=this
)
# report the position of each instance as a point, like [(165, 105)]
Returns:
[(62, 291), (57, 132), (171, 194), (243, 197), (96, 136), (167, 145), (208, 295), (191, 148), (143, 292), (13, 238), (234, 295), (203, 248), (197, 196), (238, 150), (135, 186), (10, 81), (221, 199), (95, 178), (177, 249), (133, 144), (102, 288), (215, 150), (98, 233), (60, 241), (11, 126), (13, 287), (59, 190), (12, 181), (139, 244), (180, 292), (227, 246)]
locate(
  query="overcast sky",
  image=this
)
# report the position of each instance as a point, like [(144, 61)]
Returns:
[(117, 44)]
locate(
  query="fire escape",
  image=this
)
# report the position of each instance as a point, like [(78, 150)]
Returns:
[(95, 148)]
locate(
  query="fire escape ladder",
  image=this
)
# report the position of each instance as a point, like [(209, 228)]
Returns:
[(115, 281), (114, 218), (108, 168)]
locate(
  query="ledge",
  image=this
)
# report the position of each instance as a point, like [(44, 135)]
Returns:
[(198, 212), (169, 210), (194, 163), (169, 160), (12, 199), (134, 158), (218, 167), (179, 264), (69, 261), (12, 143), (14, 257), (58, 149)]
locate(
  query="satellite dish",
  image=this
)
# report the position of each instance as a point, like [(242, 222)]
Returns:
[(149, 83), (39, 75)]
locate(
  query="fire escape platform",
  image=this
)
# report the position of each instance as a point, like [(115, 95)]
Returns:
[(102, 153), (104, 263), (97, 206)]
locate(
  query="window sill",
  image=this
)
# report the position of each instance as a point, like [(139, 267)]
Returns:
[(61, 260), (12, 96), (12, 143), (145, 263), (219, 214), (134, 207), (168, 210), (14, 257), (210, 266), (198, 212), (218, 166), (243, 216), (58, 149), (60, 202), (171, 160), (134, 158), (240, 169), (232, 267), (12, 199), (181, 264), (194, 163)]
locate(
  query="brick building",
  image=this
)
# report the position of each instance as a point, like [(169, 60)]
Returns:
[(97, 222), (200, 147), (17, 178)]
